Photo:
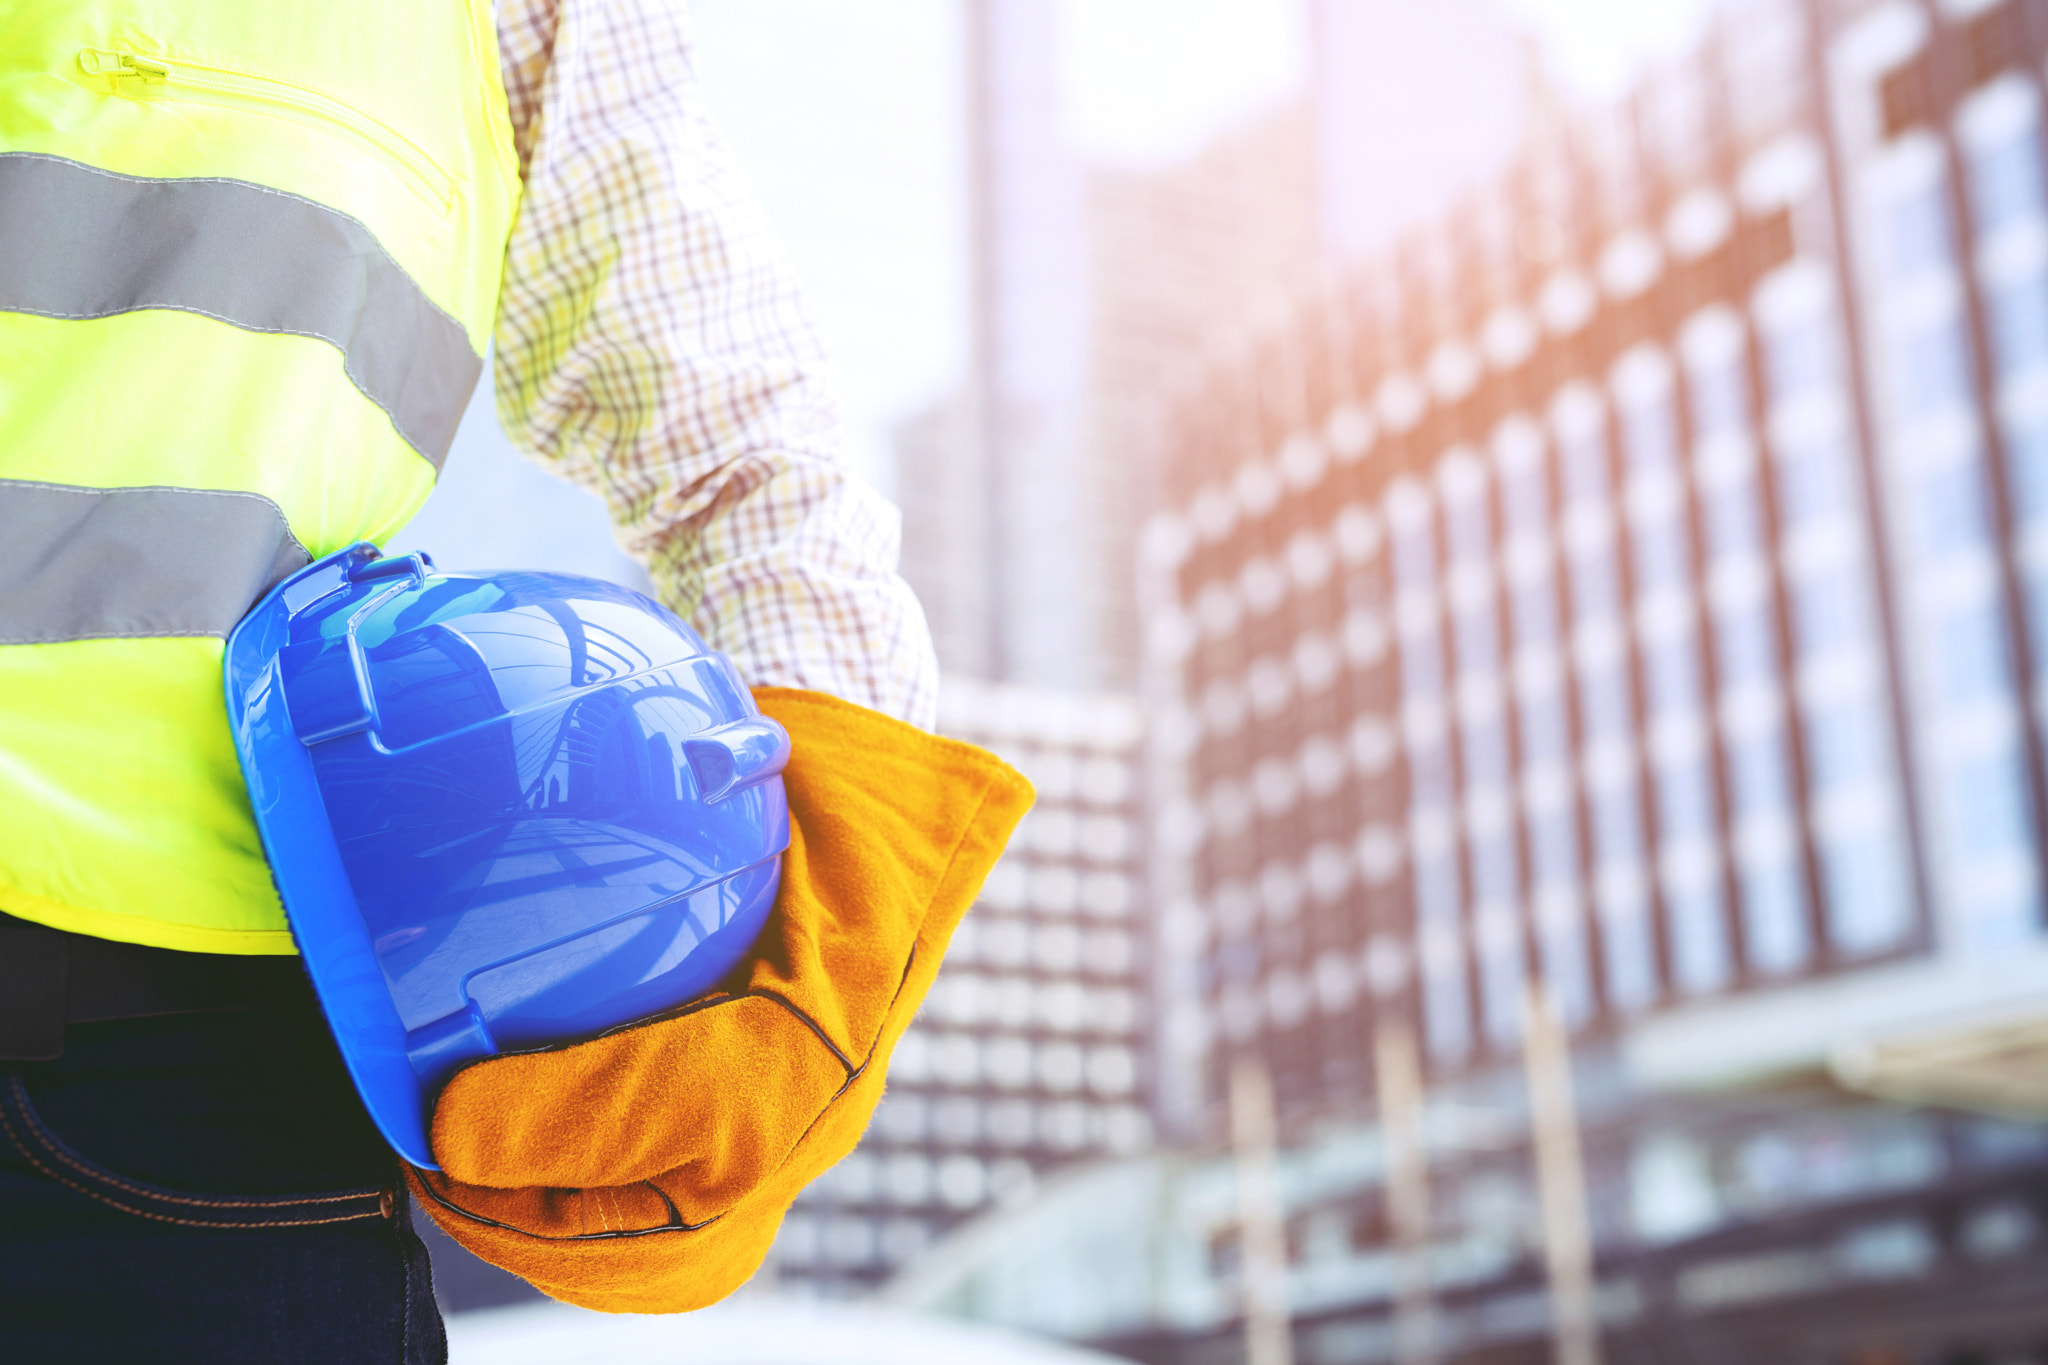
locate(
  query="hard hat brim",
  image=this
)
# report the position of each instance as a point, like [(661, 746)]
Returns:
[(334, 943)]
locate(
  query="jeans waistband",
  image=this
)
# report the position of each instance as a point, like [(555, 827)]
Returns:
[(50, 978)]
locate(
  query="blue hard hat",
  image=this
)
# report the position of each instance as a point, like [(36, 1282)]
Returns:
[(504, 810)]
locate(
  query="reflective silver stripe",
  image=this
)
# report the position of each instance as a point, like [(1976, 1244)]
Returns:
[(110, 563), (80, 242)]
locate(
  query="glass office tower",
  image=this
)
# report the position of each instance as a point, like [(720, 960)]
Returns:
[(1637, 584), (1555, 644)]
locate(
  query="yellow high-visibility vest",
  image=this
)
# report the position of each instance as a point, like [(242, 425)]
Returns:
[(249, 262)]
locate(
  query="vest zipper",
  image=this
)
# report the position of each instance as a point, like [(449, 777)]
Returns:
[(145, 78)]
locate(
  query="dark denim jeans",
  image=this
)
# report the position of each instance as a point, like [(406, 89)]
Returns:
[(204, 1187)]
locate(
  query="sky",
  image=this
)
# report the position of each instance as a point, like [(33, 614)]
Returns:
[(1598, 45), (1150, 81), (846, 120)]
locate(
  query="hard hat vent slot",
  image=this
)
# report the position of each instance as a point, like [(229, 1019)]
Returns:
[(734, 757)]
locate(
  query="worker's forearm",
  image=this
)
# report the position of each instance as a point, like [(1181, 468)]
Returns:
[(653, 345)]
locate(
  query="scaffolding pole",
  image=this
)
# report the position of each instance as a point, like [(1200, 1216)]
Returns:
[(1262, 1221), (1398, 1068), (1560, 1182)]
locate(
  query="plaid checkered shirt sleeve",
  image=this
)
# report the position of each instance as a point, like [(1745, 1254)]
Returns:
[(652, 345)]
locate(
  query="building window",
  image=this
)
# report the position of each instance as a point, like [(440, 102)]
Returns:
[(1745, 641), (797, 1243), (1561, 945), (1263, 585), (1438, 898), (1104, 781), (1606, 707), (1054, 888), (1502, 974), (1372, 745), (1866, 902), (1730, 511), (1011, 1123), (2000, 134), (1462, 482), (1774, 916), (1533, 597), (903, 1117), (1605, 710), (1003, 942), (1008, 1063), (1061, 1006), (1219, 609), (961, 1181), (907, 1179), (1049, 831), (1059, 1067), (1966, 656), (1931, 369), (1112, 1071), (2019, 324), (1621, 898), (1977, 790), (1105, 895), (1767, 868), (1554, 843), (1408, 512), (911, 1062), (1109, 953), (854, 1180), (1275, 785), (1700, 954), (1316, 661), (1064, 1127), (902, 1239), (1844, 751), (955, 1120), (848, 1242), (1281, 891), (1545, 730), (1844, 721), (1917, 237)]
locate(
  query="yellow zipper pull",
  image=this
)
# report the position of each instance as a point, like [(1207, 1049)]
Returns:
[(120, 66)]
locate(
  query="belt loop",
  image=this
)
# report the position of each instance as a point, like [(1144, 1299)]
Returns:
[(34, 966)]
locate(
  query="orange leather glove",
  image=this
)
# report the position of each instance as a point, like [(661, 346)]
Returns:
[(648, 1171)]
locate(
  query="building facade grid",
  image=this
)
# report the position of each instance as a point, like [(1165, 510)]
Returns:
[(1617, 584)]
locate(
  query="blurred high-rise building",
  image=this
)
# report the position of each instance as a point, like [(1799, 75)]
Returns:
[(1621, 606), (997, 517), (1178, 256), (1029, 1052), (1095, 288), (1092, 287)]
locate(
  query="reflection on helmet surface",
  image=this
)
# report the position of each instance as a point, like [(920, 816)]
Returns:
[(519, 807)]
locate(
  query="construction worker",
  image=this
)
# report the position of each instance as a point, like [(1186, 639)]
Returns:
[(251, 255)]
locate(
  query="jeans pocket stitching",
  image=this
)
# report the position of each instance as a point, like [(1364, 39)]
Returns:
[(55, 1149)]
